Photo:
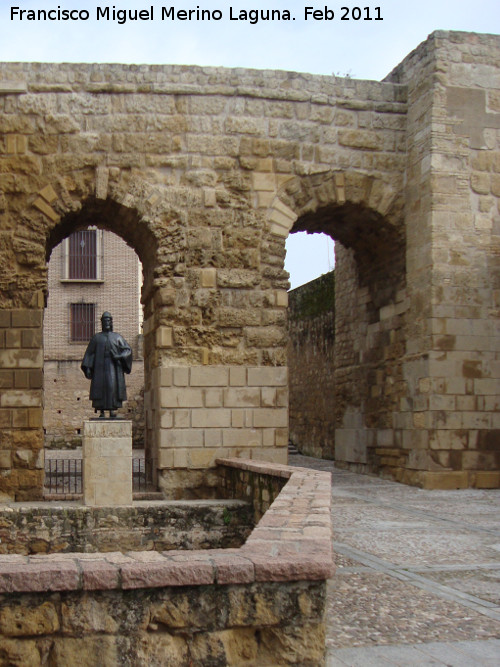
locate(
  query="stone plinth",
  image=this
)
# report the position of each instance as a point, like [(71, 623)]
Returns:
[(107, 462)]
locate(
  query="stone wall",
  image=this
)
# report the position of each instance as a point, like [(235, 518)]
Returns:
[(450, 420), (152, 526), (204, 172), (311, 363), (263, 603)]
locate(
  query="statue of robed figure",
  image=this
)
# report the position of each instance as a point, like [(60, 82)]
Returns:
[(107, 358)]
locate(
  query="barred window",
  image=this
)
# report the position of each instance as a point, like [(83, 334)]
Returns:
[(82, 255), (82, 321)]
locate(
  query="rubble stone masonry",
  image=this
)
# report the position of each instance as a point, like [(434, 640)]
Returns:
[(204, 172)]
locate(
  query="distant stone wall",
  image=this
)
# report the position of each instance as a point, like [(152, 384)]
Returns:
[(311, 363)]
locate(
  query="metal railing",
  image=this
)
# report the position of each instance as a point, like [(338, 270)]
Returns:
[(64, 476), (142, 477)]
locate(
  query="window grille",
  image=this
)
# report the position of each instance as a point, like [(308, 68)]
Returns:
[(82, 322), (82, 259)]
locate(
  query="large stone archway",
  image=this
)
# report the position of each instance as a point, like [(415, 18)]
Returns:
[(205, 171)]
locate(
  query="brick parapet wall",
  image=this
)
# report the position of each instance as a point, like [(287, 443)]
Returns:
[(287, 559)]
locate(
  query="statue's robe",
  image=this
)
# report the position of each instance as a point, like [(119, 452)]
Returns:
[(107, 358)]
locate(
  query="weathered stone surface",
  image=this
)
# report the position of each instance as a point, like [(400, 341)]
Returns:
[(204, 172), (85, 651), (17, 621)]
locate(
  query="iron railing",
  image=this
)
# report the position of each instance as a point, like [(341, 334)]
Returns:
[(142, 477), (64, 476)]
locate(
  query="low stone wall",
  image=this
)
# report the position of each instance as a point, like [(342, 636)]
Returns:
[(146, 526), (261, 604)]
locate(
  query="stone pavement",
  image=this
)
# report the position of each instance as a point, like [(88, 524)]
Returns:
[(418, 578)]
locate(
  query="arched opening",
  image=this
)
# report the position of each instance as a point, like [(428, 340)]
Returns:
[(308, 256), (347, 340), (94, 265)]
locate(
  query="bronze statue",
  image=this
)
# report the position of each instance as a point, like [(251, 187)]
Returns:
[(107, 358)]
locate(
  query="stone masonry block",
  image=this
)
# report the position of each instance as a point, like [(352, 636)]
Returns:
[(182, 418), (20, 398), (445, 480), (245, 397), (26, 318), (241, 437), (181, 376), (13, 338), (268, 397), (213, 437), (214, 398), (46, 209), (265, 198), (163, 377), (181, 397), (279, 230), (179, 438), (215, 376), (211, 418), (237, 376), (164, 337), (202, 458), (267, 377), (281, 437), (264, 181), (48, 193), (166, 419), (208, 277), (282, 298), (270, 417), (237, 418), (5, 459)]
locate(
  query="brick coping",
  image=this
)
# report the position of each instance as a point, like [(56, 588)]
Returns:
[(292, 542)]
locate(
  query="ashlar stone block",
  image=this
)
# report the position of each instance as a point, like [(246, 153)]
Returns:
[(107, 462)]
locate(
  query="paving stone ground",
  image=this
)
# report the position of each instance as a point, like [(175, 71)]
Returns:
[(418, 574)]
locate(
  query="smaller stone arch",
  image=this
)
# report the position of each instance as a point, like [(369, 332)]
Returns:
[(365, 215), (109, 199)]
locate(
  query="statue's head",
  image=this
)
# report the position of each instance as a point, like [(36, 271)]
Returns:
[(107, 321)]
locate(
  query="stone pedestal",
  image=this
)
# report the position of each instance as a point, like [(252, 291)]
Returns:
[(107, 462)]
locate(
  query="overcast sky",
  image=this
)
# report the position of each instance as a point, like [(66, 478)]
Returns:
[(362, 49)]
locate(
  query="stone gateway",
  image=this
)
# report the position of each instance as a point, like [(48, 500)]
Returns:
[(205, 172)]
